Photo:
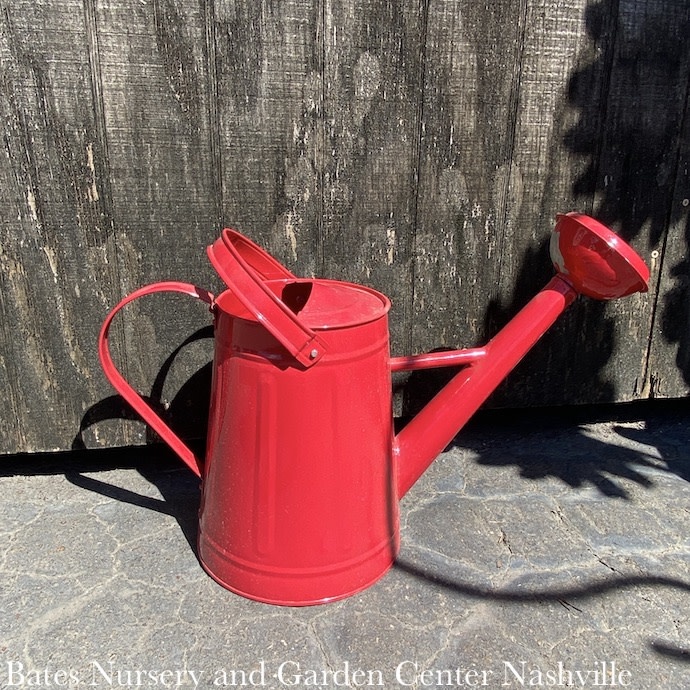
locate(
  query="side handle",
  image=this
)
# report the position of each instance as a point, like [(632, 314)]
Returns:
[(118, 381)]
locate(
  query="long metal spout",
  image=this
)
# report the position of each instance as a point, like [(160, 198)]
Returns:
[(418, 444), (589, 259)]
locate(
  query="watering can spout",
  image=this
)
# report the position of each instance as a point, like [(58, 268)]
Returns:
[(590, 260)]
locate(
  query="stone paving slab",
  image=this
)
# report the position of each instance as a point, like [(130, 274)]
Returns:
[(538, 551)]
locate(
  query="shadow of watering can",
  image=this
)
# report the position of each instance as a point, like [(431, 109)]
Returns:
[(303, 473)]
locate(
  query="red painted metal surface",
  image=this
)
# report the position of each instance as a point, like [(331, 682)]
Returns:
[(432, 360), (139, 405), (274, 313), (298, 503), (302, 474), (232, 246), (595, 261), (436, 425)]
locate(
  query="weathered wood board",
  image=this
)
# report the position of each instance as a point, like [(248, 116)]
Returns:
[(153, 74), (421, 147), (57, 257)]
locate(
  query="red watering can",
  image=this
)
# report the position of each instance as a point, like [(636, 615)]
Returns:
[(303, 473)]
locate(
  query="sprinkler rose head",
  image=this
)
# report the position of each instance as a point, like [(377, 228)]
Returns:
[(594, 260)]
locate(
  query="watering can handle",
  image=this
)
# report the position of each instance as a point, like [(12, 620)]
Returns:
[(247, 282), (125, 389), (266, 266)]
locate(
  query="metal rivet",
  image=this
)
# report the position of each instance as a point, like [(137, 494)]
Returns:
[(314, 354)]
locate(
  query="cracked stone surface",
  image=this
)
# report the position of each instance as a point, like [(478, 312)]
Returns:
[(537, 552)]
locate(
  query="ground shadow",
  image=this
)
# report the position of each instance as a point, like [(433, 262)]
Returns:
[(525, 594), (543, 437), (672, 651), (538, 452), (179, 488), (583, 378), (555, 443), (568, 597), (186, 415)]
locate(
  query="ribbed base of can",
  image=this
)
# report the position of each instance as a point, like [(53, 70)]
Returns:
[(288, 586)]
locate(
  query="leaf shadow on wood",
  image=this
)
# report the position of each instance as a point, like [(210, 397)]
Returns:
[(675, 316), (630, 131), (637, 172), (628, 119)]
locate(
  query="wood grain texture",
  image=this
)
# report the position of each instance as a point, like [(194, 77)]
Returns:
[(56, 251), (668, 365), (562, 72), (270, 94), (422, 147), (472, 60), (634, 170), (373, 71), (164, 188)]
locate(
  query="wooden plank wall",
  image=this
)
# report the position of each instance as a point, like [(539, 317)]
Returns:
[(422, 147)]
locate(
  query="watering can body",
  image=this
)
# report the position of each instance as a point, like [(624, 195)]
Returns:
[(298, 496), (302, 473)]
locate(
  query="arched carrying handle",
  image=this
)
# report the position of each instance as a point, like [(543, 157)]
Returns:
[(140, 406), (265, 266), (247, 282)]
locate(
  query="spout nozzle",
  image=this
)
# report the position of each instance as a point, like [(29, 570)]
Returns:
[(594, 260), (591, 260)]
